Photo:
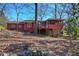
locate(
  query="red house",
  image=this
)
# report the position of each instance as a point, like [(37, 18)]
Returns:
[(54, 26), (29, 27), (11, 26), (51, 26)]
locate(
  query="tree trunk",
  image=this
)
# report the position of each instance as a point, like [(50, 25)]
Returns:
[(36, 5), (55, 11), (17, 22)]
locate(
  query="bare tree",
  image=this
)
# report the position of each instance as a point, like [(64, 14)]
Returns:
[(61, 10), (55, 10), (2, 9), (3, 18), (29, 8), (42, 9), (68, 10), (18, 8)]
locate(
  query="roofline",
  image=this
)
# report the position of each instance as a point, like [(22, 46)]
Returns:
[(55, 19)]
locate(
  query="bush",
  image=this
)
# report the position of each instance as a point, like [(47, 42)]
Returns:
[(78, 32)]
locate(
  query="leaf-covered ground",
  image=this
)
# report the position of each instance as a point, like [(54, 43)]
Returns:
[(17, 42)]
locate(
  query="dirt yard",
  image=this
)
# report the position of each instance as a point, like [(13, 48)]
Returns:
[(16, 41)]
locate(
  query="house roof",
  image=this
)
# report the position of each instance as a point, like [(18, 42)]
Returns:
[(50, 19), (31, 21)]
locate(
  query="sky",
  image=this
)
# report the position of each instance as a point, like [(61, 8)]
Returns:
[(27, 11)]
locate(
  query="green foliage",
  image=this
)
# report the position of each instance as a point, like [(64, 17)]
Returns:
[(71, 28), (3, 21), (77, 31), (2, 27), (72, 22)]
